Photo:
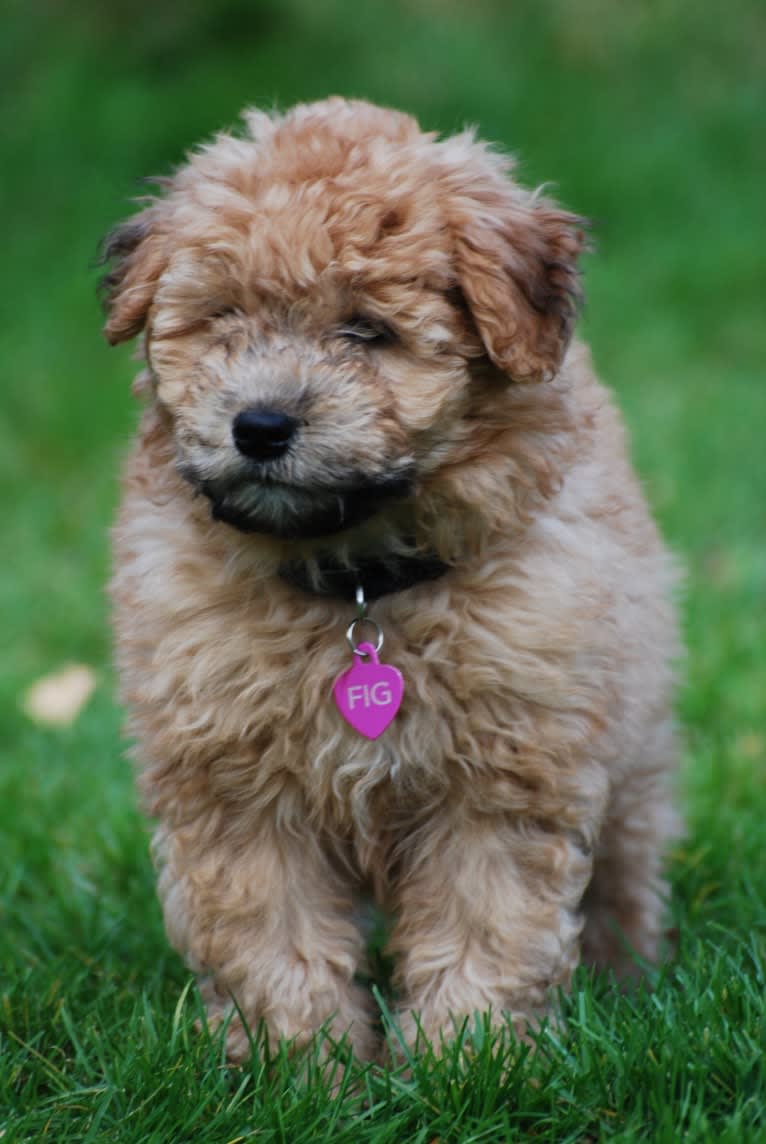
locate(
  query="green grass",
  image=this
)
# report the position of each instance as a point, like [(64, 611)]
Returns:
[(649, 118)]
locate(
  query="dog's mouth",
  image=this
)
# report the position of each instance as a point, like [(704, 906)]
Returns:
[(299, 512)]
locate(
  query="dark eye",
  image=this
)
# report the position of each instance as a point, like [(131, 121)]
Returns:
[(224, 312), (371, 331)]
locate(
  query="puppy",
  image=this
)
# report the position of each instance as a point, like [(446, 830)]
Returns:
[(364, 411)]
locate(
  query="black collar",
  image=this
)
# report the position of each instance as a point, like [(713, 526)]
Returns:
[(377, 577)]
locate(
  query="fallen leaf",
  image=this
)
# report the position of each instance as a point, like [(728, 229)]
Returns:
[(56, 700)]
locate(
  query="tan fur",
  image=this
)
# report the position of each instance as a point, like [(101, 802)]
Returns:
[(518, 806)]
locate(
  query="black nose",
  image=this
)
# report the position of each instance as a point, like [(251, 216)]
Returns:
[(263, 434)]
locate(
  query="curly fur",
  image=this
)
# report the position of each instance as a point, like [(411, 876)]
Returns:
[(516, 811)]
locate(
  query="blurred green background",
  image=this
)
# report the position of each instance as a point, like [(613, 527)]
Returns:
[(648, 117)]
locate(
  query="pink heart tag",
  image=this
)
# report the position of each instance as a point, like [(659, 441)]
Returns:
[(369, 694)]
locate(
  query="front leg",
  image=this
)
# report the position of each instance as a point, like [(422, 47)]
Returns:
[(266, 918), (488, 919)]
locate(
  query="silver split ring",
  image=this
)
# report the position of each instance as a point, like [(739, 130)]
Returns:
[(378, 644)]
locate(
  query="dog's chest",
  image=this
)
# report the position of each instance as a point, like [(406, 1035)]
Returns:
[(280, 702)]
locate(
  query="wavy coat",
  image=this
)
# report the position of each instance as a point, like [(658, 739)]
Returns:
[(514, 815)]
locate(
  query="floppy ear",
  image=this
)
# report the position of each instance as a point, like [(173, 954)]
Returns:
[(136, 250), (516, 258)]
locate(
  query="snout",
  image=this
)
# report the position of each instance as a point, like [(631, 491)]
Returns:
[(286, 485), (263, 433)]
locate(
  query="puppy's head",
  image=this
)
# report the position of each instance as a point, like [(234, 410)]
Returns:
[(333, 306)]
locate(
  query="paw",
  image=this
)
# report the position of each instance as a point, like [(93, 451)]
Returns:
[(437, 1029), (247, 1028)]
